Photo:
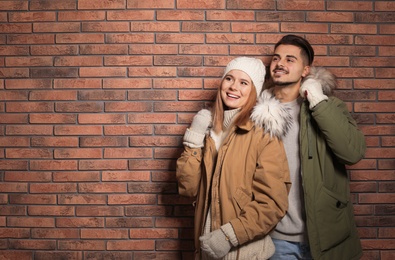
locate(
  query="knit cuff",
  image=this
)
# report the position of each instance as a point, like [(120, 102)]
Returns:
[(193, 139), (230, 234)]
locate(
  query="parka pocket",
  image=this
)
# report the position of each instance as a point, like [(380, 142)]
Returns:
[(241, 198), (333, 220)]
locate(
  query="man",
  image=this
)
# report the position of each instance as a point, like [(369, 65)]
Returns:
[(321, 138)]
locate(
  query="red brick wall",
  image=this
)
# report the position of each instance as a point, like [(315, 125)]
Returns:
[(95, 96)]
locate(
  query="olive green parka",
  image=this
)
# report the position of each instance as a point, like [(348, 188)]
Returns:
[(329, 140)]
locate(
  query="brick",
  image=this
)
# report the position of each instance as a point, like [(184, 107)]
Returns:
[(77, 153), (13, 73), (101, 119), (105, 4), (79, 222), (155, 141), (371, 175), (182, 15), (153, 233), (358, 6), (15, 28), (27, 153), (125, 176), (52, 119), (89, 245), (84, 199), (200, 4), (130, 38), (205, 27), (177, 106), (135, 4), (147, 210), (126, 83), (60, 211), (54, 72), (161, 118), (164, 176), (154, 26), (28, 61), (14, 50), (373, 83), (43, 233), (385, 119), (53, 50), (48, 255), (131, 245), (77, 83), (80, 61), (88, 107), (150, 72), (156, 95), (177, 83), (12, 211), (384, 210), (152, 188), (92, 15), (128, 61), (28, 130), (102, 72), (127, 153), (165, 129), (107, 233), (13, 119), (387, 51), (111, 95), (78, 130), (124, 130), (53, 188), (230, 38), (13, 5), (126, 14), (151, 164), (300, 5), (102, 165), (14, 233), (54, 141), (105, 27), (128, 107), (28, 83), (99, 211), (91, 49), (33, 107), (31, 39), (80, 38), (76, 176), (51, 165), (374, 40), (30, 176), (32, 199), (130, 222), (33, 245), (14, 141), (330, 17), (352, 50), (32, 16), (386, 17), (380, 152), (168, 38), (376, 107), (52, 5), (173, 245), (13, 187), (231, 15), (103, 141), (202, 49), (31, 222), (386, 164), (109, 255)]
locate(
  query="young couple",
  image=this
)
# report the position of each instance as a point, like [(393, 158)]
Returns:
[(267, 167)]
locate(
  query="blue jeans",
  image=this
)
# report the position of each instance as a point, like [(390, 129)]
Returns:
[(287, 250)]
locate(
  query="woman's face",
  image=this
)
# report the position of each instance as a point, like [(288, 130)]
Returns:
[(235, 89)]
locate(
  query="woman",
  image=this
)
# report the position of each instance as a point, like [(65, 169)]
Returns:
[(237, 171)]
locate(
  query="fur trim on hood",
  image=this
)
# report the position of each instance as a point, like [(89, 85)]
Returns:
[(273, 116)]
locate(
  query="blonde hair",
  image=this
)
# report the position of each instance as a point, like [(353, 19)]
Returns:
[(243, 116)]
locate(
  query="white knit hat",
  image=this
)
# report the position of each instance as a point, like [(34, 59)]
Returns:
[(253, 67)]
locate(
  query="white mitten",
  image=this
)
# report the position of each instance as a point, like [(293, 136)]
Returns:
[(312, 90), (218, 243), (195, 134)]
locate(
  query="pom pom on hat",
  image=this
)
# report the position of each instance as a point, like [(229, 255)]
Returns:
[(252, 67)]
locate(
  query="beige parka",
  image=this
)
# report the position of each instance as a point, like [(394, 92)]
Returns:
[(246, 182)]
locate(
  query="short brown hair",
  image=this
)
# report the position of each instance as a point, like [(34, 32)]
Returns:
[(303, 44)]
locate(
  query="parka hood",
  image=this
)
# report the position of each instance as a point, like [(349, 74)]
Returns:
[(270, 114)]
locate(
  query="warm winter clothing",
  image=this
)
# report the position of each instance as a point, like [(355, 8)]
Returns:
[(329, 139), (244, 181)]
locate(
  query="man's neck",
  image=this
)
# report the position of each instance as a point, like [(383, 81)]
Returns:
[(287, 93)]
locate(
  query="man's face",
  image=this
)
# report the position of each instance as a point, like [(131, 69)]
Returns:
[(287, 66)]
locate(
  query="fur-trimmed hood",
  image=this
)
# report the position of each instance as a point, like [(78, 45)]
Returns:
[(274, 116)]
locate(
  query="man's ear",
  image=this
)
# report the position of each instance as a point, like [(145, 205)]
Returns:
[(306, 71)]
